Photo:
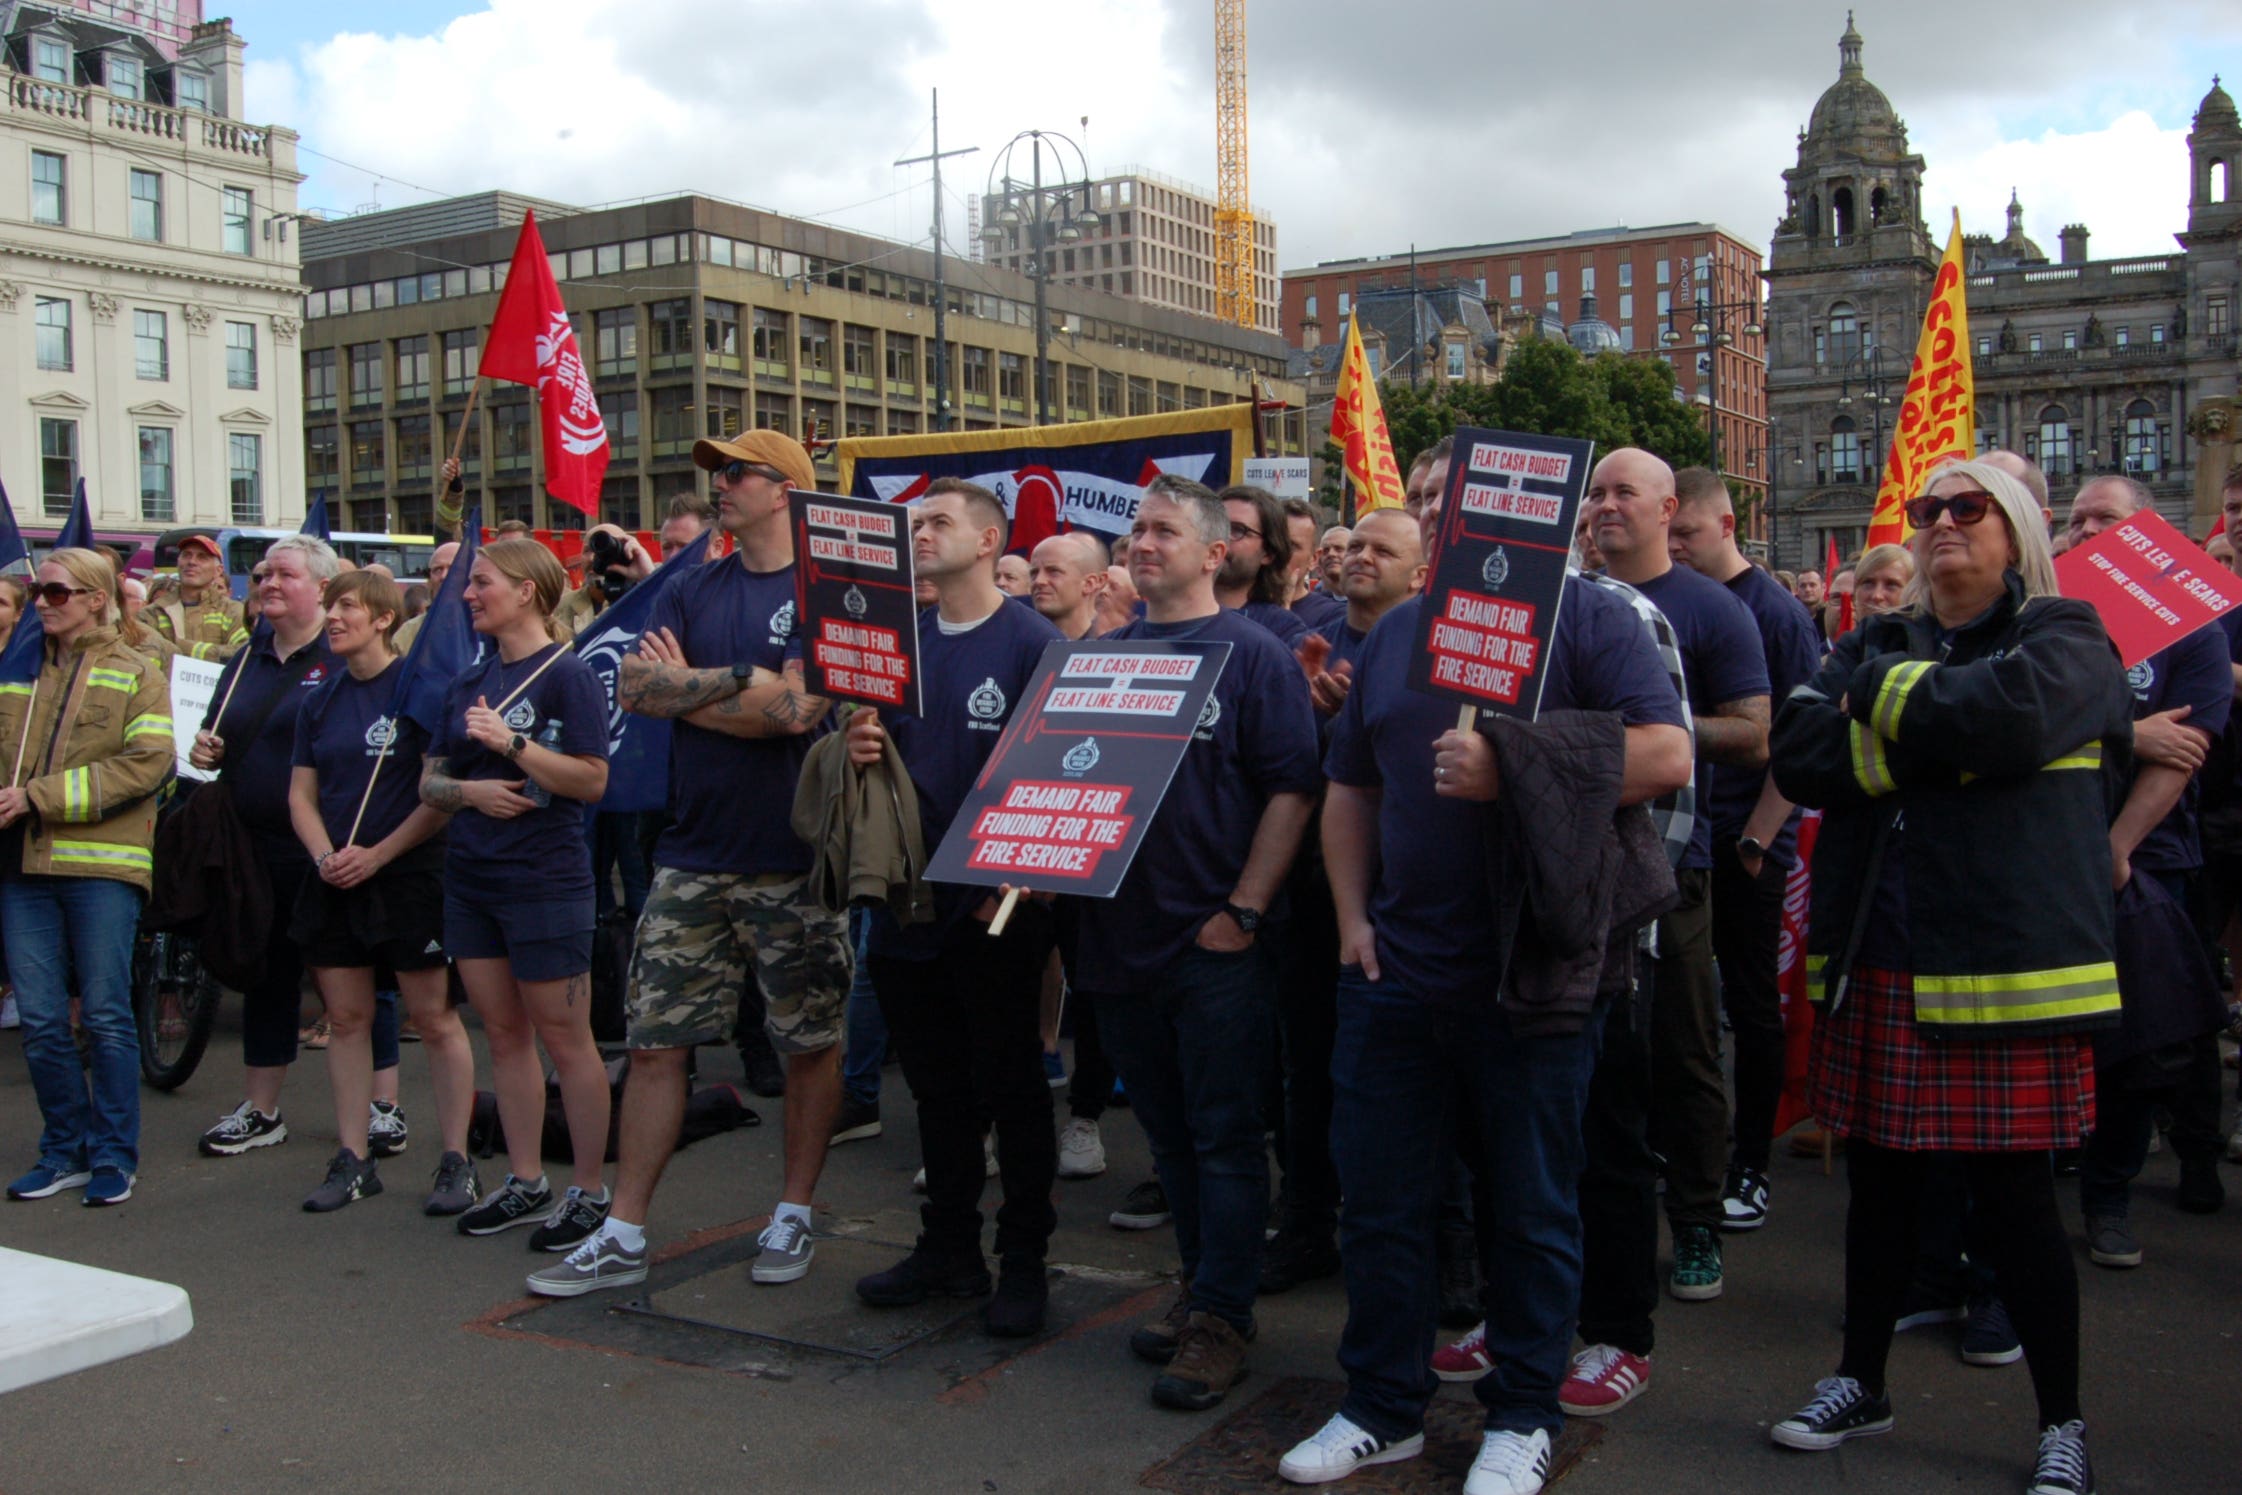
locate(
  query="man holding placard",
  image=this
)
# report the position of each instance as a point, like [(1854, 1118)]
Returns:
[(963, 1002), (730, 900), (1185, 988)]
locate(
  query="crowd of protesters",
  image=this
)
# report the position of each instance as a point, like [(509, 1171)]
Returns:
[(1472, 985)]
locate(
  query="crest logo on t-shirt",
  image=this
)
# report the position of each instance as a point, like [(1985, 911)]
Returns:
[(853, 600), (1495, 570), (1208, 716), (987, 702), (782, 623), (1082, 757), (2141, 677), (382, 734), (523, 716), (314, 675)]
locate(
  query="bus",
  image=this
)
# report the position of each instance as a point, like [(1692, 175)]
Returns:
[(406, 556)]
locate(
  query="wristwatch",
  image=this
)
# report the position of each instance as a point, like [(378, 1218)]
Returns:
[(515, 746), (743, 673), (1750, 846), (1249, 919)]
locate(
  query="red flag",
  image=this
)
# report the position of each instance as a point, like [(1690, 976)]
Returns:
[(1829, 565), (1790, 977), (531, 342)]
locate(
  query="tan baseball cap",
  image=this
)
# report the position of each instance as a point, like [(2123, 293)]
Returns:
[(773, 449)]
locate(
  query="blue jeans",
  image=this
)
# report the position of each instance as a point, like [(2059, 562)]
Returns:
[(867, 1036), (75, 933), (1194, 1051), (1396, 1111)]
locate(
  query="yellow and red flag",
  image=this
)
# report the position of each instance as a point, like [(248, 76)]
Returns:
[(1358, 425), (1938, 415)]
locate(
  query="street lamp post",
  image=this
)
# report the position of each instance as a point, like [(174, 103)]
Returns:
[(1057, 212), (1876, 380), (1717, 326)]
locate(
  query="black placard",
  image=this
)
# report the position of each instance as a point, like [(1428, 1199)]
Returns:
[(854, 589), (1065, 800), (1504, 537)]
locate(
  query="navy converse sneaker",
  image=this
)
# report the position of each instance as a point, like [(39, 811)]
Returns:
[(1842, 1408)]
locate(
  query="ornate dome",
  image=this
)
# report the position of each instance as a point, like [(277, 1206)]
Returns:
[(2017, 248), (1592, 334), (1853, 108), (2217, 109)]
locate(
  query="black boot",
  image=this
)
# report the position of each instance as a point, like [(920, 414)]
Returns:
[(927, 1272), (1297, 1254), (1023, 1291)]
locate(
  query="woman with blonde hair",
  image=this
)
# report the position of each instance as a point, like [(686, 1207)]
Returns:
[(90, 743), (1962, 940), (521, 755), (1880, 579)]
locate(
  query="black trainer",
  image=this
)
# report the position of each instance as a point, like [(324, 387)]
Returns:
[(1842, 1408), (1023, 1291), (1295, 1256), (349, 1177), (1145, 1207), (570, 1225), (242, 1128), (924, 1274), (512, 1203), (2063, 1467), (455, 1189)]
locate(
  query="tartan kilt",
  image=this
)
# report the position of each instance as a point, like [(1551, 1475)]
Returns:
[(1873, 1075)]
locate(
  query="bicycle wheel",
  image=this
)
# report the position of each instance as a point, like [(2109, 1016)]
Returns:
[(174, 1003)]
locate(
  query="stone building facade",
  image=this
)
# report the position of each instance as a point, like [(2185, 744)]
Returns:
[(2087, 366)]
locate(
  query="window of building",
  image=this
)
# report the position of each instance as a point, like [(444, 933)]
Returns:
[(322, 456), (1627, 337), (2122, 337), (1549, 282), (2070, 340), (1626, 306), (151, 345), (1587, 279), (2215, 318), (619, 408), (2033, 343), (245, 476), (619, 502), (319, 379), (670, 326), (147, 205), (1456, 357), (238, 202), (50, 188), (369, 452), (1844, 451), (2156, 332), (615, 342), (156, 505), (241, 355), (859, 357), (412, 369), (1984, 347), (816, 343), (772, 358), (58, 464), (1626, 274), (720, 334), (1012, 382), (1346, 305), (368, 378), (52, 318), (415, 447), (2056, 458), (462, 351), (902, 363), (726, 414), (1665, 272), (510, 435), (190, 90), (125, 78), (973, 376), (673, 419), (50, 60), (2142, 453), (1310, 313), (1666, 309), (1844, 333)]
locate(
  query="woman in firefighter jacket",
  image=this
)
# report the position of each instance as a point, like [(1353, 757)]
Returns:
[(1961, 938), (89, 743)]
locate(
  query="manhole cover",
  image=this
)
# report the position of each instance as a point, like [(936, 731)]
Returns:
[(1240, 1453)]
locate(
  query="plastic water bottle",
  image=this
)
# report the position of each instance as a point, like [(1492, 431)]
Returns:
[(549, 738)]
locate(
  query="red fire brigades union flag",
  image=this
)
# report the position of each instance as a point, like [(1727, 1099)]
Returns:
[(531, 342)]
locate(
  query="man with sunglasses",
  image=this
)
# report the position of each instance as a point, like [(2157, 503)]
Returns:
[(730, 902)]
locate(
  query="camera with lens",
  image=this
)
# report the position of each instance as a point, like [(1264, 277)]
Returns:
[(610, 566)]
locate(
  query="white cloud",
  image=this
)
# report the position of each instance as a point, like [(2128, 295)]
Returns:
[(2127, 182)]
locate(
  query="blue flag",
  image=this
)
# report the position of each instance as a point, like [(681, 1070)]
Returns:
[(637, 746), (446, 643), (315, 520), (19, 661), (77, 530)]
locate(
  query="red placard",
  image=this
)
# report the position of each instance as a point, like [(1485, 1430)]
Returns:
[(2151, 584)]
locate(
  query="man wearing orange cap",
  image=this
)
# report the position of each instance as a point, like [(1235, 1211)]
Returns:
[(730, 901), (206, 621)]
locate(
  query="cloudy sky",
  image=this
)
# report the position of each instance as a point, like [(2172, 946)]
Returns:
[(1433, 121)]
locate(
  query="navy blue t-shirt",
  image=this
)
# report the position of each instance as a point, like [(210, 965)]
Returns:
[(973, 681), (1722, 661), (1431, 905), (1792, 648), (731, 798), (340, 733), (1289, 627), (258, 771), (540, 855), (1319, 610), (2196, 672), (1346, 648), (1255, 739)]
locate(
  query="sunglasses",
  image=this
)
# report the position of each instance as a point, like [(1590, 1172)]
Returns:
[(58, 594), (1967, 508), (732, 472), (1243, 531)]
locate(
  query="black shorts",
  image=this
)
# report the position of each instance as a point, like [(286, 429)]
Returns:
[(392, 922)]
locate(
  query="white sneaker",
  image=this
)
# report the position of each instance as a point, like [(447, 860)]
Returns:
[(1339, 1448), (988, 1164), (1510, 1464), (1081, 1149)]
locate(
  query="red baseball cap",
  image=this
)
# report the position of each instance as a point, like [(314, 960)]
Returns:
[(200, 542)]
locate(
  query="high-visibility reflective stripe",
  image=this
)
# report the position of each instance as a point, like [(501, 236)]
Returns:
[(94, 853), (2018, 996), (1870, 769), (1891, 698), (15, 690), (77, 794), (145, 723), (2088, 757), (113, 679)]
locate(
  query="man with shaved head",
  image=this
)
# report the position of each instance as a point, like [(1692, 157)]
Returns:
[(1066, 576), (1658, 1083), (1331, 555), (1755, 840)]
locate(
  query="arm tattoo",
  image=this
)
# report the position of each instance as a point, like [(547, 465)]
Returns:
[(652, 689), (792, 710), (439, 790)]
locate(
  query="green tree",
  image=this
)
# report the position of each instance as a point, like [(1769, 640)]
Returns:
[(1548, 389)]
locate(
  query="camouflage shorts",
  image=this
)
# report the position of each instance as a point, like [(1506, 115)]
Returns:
[(699, 931)]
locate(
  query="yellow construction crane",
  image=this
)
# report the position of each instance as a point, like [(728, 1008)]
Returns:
[(1233, 215)]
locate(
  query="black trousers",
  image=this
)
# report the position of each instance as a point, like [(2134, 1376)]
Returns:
[(2014, 1217), (1090, 1088), (1307, 1022), (1619, 1187), (272, 1011), (1747, 929), (968, 1027)]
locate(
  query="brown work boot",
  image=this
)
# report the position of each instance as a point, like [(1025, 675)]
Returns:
[(1155, 1343), (1210, 1358)]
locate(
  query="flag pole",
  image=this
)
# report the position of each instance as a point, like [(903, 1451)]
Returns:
[(379, 759), (1004, 912), (29, 707), (466, 417)]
